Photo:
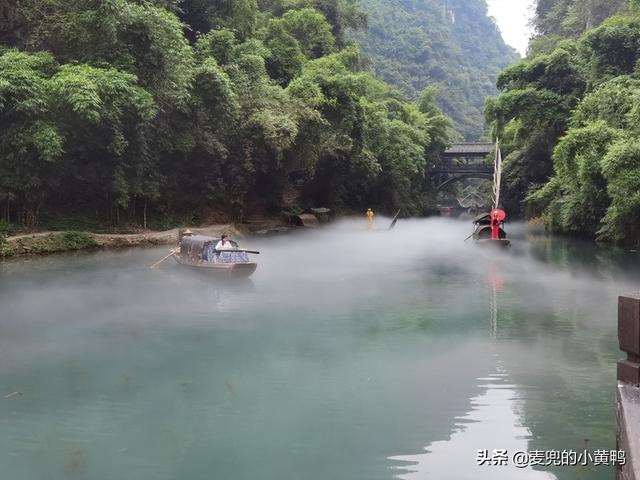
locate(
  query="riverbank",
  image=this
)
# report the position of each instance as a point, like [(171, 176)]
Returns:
[(54, 242)]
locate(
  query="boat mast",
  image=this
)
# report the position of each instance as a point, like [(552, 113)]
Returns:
[(497, 215), (497, 176)]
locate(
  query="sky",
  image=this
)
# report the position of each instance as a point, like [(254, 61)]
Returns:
[(513, 17)]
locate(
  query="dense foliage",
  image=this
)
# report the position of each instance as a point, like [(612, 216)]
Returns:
[(449, 43), (127, 108), (571, 18), (569, 116)]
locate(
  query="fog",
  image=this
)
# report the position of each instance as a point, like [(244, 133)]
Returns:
[(346, 354)]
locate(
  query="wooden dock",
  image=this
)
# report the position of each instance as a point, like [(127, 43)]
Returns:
[(628, 390)]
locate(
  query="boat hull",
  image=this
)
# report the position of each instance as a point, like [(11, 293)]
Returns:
[(490, 243), (220, 269)]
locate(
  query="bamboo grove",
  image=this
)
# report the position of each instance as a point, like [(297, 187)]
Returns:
[(124, 110)]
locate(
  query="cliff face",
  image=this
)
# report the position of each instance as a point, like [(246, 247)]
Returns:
[(450, 43)]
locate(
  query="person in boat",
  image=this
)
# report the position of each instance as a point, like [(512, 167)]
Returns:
[(186, 233), (495, 228), (225, 244), (227, 252)]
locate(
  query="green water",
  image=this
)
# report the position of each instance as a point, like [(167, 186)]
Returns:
[(348, 355)]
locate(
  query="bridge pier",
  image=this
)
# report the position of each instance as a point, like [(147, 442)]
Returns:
[(628, 389)]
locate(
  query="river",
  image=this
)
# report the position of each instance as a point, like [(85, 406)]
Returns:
[(350, 354)]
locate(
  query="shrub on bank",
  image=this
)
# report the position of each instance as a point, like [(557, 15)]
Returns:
[(4, 233), (5, 228), (60, 242), (54, 242)]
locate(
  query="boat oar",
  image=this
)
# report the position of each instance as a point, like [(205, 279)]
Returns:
[(155, 265), (469, 237), (395, 220), (244, 251)]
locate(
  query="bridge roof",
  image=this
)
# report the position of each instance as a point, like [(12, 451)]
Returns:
[(463, 149)]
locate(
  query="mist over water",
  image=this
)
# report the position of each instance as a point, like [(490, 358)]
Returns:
[(350, 354)]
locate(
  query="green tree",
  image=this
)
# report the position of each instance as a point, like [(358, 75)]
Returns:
[(139, 38), (612, 49), (286, 59), (312, 31), (571, 18), (621, 167), (94, 117), (30, 143), (575, 200)]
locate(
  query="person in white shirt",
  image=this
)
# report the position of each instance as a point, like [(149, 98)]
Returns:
[(225, 244)]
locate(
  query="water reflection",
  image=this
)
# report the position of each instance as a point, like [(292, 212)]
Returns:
[(546, 403), (496, 283), (204, 290), (494, 422)]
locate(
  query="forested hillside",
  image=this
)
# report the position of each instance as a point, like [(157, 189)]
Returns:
[(449, 43), (129, 110), (569, 115), (571, 18)]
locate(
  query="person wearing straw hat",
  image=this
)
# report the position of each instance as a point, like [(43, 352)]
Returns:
[(181, 235), (184, 233)]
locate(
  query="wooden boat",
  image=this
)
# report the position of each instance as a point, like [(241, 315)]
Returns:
[(482, 232), (199, 252), (488, 229)]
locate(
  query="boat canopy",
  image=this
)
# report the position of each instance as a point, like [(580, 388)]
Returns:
[(199, 247), (483, 219), (308, 220)]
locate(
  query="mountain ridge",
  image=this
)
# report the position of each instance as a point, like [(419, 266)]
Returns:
[(450, 44)]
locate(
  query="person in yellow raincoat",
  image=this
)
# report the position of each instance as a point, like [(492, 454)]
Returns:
[(370, 216)]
